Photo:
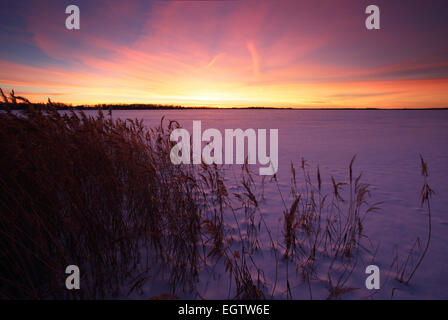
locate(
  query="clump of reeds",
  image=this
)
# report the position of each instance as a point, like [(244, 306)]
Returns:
[(95, 192), (325, 225)]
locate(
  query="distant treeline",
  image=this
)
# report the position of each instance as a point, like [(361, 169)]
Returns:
[(110, 107), (62, 106), (14, 102)]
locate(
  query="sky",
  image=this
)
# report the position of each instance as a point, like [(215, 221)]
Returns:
[(228, 53)]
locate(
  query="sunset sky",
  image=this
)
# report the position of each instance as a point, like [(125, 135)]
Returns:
[(228, 53)]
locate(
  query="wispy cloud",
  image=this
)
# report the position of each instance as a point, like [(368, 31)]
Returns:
[(255, 58)]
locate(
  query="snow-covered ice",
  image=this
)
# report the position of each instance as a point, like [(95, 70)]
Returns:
[(387, 144)]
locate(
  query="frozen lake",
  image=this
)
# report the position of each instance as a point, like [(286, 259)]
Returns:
[(387, 144)]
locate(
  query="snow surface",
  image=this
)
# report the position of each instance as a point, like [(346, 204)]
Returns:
[(387, 144)]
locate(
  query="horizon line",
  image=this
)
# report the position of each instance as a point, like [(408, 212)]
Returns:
[(154, 106)]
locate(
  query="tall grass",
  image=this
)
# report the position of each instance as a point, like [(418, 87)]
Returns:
[(89, 191)]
